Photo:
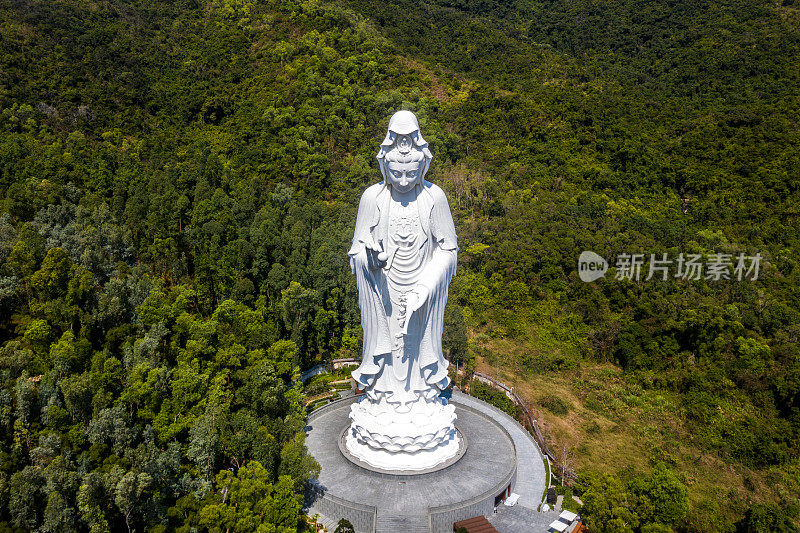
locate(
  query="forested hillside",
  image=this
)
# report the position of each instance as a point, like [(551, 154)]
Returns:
[(178, 186)]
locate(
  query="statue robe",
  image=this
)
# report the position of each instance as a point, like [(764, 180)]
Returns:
[(439, 247)]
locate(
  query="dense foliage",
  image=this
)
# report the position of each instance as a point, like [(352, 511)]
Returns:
[(178, 183), (496, 397), (653, 503)]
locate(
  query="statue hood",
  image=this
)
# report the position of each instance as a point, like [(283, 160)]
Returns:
[(404, 123)]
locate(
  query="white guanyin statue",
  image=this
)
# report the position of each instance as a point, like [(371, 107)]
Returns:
[(403, 255)]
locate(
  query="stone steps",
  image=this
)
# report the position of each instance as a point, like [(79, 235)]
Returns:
[(402, 524), (328, 523)]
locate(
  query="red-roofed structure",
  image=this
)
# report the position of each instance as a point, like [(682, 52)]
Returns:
[(479, 524)]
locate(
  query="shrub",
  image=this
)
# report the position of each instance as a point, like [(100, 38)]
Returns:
[(554, 404)]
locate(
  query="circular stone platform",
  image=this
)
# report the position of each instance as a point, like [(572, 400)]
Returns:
[(420, 502)]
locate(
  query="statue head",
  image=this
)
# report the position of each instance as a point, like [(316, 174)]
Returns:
[(404, 156)]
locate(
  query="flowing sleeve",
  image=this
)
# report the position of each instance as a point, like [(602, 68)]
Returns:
[(372, 291), (442, 226), (366, 219), (436, 278), (442, 266)]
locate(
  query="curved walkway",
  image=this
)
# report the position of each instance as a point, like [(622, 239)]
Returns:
[(531, 474)]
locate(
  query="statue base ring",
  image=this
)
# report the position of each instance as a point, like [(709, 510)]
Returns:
[(418, 438), (378, 457)]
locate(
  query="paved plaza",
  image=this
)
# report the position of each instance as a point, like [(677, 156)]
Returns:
[(520, 519), (496, 446), (489, 458)]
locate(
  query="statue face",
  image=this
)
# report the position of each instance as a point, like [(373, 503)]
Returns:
[(403, 175)]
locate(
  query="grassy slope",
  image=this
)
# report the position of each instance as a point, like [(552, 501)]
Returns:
[(614, 425)]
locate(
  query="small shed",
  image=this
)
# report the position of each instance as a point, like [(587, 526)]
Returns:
[(478, 524)]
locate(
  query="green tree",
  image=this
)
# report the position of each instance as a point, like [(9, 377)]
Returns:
[(606, 506), (296, 463), (26, 492), (248, 502), (130, 494), (52, 279), (283, 355), (768, 518), (661, 497), (93, 502), (344, 526), (454, 335)]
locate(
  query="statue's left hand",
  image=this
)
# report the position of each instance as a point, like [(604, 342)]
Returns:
[(419, 295)]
